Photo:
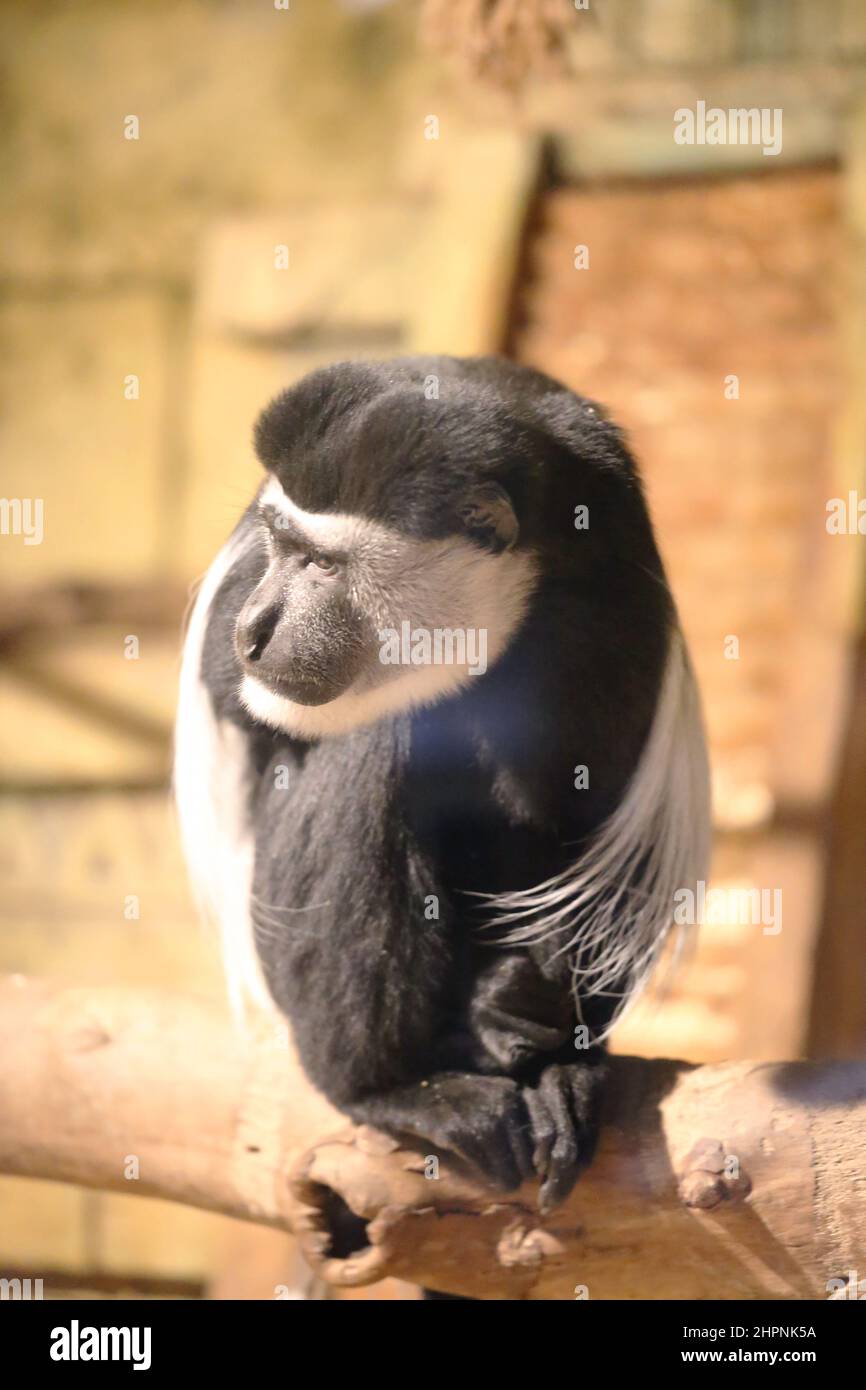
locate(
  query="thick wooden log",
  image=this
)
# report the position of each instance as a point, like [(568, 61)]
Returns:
[(735, 1181)]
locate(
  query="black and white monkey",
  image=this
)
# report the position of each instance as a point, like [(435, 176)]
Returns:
[(402, 854)]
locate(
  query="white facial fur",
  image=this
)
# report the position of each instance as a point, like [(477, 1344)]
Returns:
[(447, 584)]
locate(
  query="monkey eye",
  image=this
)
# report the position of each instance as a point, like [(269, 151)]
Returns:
[(324, 565)]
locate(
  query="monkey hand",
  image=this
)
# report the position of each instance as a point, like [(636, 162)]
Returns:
[(508, 1131), (482, 1120), (563, 1107)]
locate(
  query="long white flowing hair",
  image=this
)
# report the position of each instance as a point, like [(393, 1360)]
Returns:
[(612, 911)]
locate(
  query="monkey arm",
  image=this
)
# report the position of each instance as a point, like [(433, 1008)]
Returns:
[(526, 1105), (518, 1015), (523, 1019)]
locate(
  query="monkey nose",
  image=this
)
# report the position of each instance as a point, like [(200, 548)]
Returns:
[(256, 647), (255, 633)]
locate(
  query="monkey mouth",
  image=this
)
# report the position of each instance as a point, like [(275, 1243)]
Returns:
[(300, 690)]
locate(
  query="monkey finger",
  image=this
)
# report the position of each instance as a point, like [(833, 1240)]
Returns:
[(563, 1158), (543, 1131)]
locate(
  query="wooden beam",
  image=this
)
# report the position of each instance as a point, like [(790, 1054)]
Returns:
[(732, 1181)]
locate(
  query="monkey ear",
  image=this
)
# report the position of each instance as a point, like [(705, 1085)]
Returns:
[(488, 516)]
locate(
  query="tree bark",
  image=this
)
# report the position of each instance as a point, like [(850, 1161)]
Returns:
[(736, 1181)]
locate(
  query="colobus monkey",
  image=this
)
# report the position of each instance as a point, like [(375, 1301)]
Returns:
[(440, 761)]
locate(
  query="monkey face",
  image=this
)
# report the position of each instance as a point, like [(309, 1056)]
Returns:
[(300, 634), (353, 619)]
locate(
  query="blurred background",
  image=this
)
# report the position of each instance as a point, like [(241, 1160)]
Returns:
[(203, 201)]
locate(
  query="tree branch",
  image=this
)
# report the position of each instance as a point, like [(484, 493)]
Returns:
[(735, 1181)]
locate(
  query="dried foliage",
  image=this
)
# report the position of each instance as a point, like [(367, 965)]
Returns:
[(500, 41)]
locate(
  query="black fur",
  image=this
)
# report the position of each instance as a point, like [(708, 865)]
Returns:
[(411, 1024)]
